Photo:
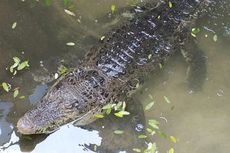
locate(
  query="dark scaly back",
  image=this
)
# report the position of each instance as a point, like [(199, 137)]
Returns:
[(128, 53), (139, 47)]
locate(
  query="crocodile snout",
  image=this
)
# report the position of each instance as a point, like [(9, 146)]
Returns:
[(25, 126)]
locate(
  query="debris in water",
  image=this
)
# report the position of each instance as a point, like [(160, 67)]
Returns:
[(69, 12), (70, 44), (14, 25)]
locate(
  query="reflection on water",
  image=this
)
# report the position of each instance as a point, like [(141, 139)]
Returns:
[(67, 139), (199, 120), (5, 127)]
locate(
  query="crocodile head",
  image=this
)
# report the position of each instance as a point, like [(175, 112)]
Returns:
[(45, 119), (75, 97)]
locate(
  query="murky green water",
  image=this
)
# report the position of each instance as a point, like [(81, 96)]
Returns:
[(199, 121)]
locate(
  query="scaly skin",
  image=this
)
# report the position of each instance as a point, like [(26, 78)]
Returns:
[(111, 69)]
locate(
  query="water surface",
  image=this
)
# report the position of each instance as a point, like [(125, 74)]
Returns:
[(198, 120)]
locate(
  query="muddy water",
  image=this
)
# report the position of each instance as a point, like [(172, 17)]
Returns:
[(199, 121)]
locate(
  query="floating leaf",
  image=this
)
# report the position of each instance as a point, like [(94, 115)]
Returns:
[(150, 131), (113, 8), (14, 25), (6, 86), (16, 92), (102, 38), (16, 64), (56, 76), (171, 150), (170, 4), (108, 106), (22, 97), (99, 115), (215, 37), (151, 148), (23, 65), (13, 66), (118, 106), (69, 12), (70, 44), (160, 65), (16, 60), (95, 148), (121, 113), (62, 69), (162, 134), (118, 132), (173, 139), (123, 106), (142, 136), (137, 85), (149, 56), (167, 100), (195, 31), (154, 124), (108, 111), (136, 150), (149, 106)]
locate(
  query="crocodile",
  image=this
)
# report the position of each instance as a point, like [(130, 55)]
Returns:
[(124, 58)]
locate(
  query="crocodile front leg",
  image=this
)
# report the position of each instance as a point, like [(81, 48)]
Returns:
[(197, 70)]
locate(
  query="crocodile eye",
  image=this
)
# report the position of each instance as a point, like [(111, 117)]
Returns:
[(72, 105)]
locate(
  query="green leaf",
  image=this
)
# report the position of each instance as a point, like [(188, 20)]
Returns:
[(13, 66), (16, 60), (123, 106), (22, 97), (160, 65), (16, 92), (162, 134), (136, 150), (70, 44), (102, 38), (142, 136), (14, 25), (149, 106), (154, 124), (119, 132), (99, 115), (6, 86), (170, 4), (70, 13), (173, 139), (121, 113), (215, 37), (171, 150), (113, 8), (62, 70), (108, 106), (118, 106), (108, 111), (95, 148), (195, 31), (23, 65), (167, 100), (152, 147), (150, 131)]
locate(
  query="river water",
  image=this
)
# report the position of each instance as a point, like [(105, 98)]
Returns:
[(198, 121)]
